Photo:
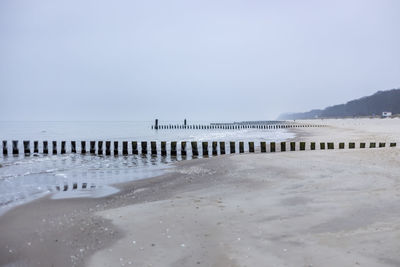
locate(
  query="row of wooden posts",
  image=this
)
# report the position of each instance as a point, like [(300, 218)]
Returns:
[(233, 126), (99, 149)]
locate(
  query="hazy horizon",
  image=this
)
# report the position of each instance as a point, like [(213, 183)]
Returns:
[(204, 61)]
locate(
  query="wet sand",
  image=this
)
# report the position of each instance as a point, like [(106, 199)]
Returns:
[(308, 208)]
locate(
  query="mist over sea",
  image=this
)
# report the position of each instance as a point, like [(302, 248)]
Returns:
[(24, 178)]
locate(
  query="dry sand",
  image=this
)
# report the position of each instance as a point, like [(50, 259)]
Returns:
[(308, 208)]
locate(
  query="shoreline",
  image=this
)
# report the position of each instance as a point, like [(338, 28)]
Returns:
[(81, 232)]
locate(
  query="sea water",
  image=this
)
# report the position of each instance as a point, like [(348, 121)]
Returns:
[(24, 178)]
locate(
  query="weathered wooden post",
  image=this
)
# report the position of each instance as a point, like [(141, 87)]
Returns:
[(108, 148), (195, 152), (392, 144), (134, 147), (214, 148), (15, 147), (302, 146), (352, 145), (382, 144), (153, 146), (54, 147), (163, 148), (372, 145), (241, 147), (232, 147), (144, 147), (99, 147), (312, 146), (27, 147), (263, 146), (35, 146), (283, 146), (92, 147), (292, 146), (45, 147), (362, 145), (124, 147), (222, 148), (251, 147), (5, 149), (183, 148), (83, 147), (73, 147), (341, 145), (205, 148), (272, 147), (184, 123), (173, 148), (116, 148), (331, 145), (322, 146), (156, 124), (63, 150)]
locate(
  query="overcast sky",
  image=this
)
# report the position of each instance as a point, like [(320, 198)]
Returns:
[(203, 60)]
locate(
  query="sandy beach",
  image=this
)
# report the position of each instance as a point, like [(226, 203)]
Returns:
[(303, 208)]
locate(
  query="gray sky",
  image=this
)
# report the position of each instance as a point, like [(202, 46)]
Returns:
[(203, 60)]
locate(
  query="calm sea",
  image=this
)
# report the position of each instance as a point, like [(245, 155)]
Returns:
[(23, 178)]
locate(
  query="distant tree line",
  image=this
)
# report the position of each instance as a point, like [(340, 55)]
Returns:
[(366, 106)]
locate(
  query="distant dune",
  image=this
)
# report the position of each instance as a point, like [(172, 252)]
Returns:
[(372, 105)]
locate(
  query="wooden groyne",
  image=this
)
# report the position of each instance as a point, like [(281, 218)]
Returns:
[(174, 148), (231, 126)]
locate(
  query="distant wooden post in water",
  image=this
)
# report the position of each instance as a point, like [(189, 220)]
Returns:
[(27, 148), (83, 147), (35, 146), (183, 148), (73, 147), (215, 148), (283, 146), (272, 147), (144, 147), (156, 124), (173, 148), (153, 146), (251, 147), (312, 145), (108, 148), (292, 146), (5, 149), (302, 146), (222, 147), (63, 150), (92, 147), (331, 145), (322, 146), (195, 152), (124, 147), (15, 147), (263, 146), (54, 147), (163, 148), (115, 147), (45, 147), (134, 148), (232, 147), (205, 148)]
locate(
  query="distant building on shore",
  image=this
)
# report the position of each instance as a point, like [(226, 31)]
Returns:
[(386, 114)]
